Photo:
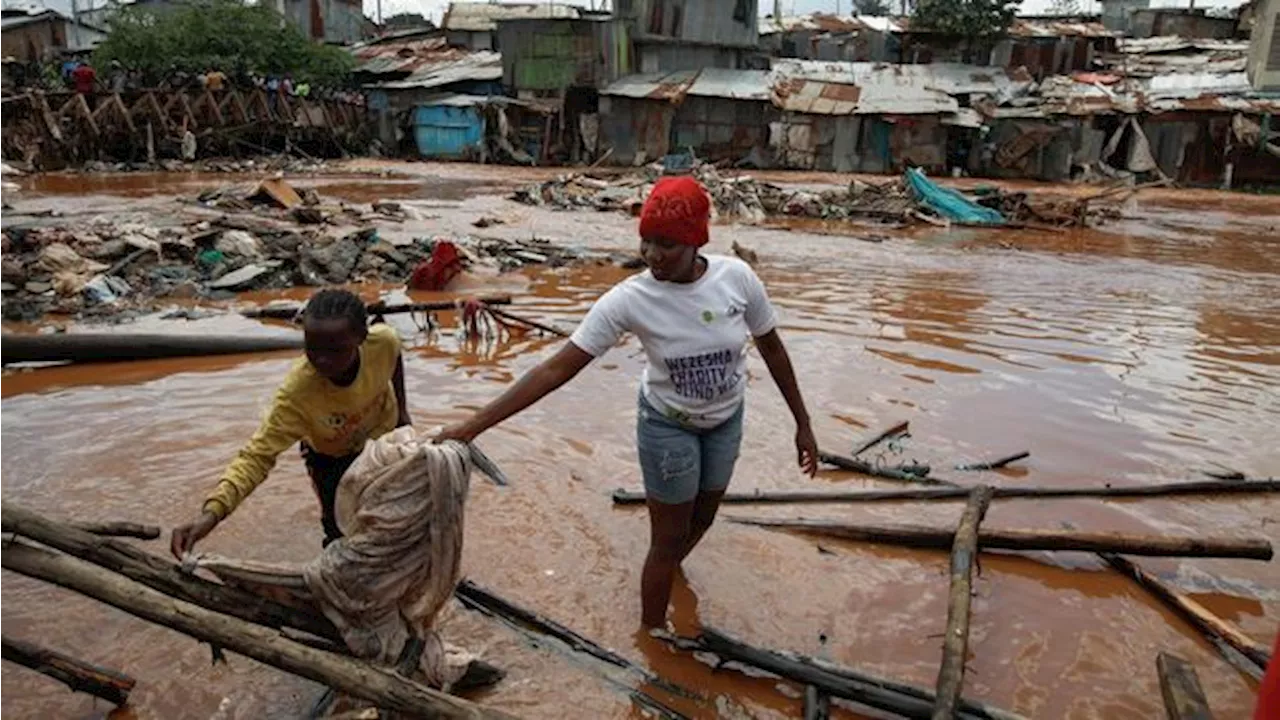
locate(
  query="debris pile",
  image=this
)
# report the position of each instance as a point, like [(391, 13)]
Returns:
[(266, 163), (268, 236), (910, 199)]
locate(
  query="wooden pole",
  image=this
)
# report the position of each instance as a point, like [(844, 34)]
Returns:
[(998, 463), (896, 697), (161, 574), (380, 686), (531, 323), (104, 347), (1183, 697), (76, 674), (947, 494), (1197, 614), (955, 646), (289, 312), (118, 529), (931, 537)]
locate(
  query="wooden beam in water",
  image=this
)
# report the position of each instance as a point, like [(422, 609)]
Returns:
[(955, 644), (80, 676), (931, 537)]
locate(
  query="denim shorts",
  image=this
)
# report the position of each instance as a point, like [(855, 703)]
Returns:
[(679, 461)]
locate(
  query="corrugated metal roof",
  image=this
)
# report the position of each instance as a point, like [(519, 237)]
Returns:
[(481, 17), (477, 66), (919, 80), (708, 82), (1047, 27), (17, 21), (1174, 43), (462, 100)]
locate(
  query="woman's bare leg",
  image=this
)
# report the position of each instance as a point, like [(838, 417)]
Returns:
[(669, 533)]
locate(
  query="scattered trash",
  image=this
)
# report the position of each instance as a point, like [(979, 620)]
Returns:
[(485, 222), (911, 199), (746, 254), (278, 191), (240, 278)]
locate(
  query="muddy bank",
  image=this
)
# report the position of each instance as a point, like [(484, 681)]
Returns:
[(1139, 353)]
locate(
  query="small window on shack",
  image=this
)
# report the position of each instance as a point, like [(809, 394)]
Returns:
[(677, 18)]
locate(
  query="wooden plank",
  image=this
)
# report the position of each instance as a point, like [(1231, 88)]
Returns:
[(1183, 697), (51, 124), (237, 105), (955, 645), (1198, 615), (188, 114), (118, 102), (933, 537)]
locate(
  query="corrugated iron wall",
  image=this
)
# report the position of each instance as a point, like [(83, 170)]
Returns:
[(721, 128), (550, 55), (449, 133)]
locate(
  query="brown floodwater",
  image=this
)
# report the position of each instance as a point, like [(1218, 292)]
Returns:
[(1142, 352)]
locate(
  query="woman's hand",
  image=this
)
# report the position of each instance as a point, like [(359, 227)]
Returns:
[(807, 450), (185, 537), (462, 432)]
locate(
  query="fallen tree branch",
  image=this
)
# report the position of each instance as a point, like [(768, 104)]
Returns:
[(931, 537), (1198, 615), (382, 687), (903, 473), (955, 646), (118, 529), (78, 675), (531, 323), (161, 574), (897, 697), (996, 464), (632, 497), (900, 429)]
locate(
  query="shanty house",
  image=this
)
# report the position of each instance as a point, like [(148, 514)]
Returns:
[(720, 114), (454, 126), (670, 35), (330, 21), (563, 64), (1181, 22), (34, 37), (1264, 48), (474, 25), (877, 117)]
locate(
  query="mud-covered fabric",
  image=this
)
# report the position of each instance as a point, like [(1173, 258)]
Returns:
[(400, 509)]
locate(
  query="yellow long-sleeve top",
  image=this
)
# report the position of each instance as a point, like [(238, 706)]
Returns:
[(334, 420)]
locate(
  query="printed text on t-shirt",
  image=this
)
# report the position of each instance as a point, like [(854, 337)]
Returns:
[(704, 376)]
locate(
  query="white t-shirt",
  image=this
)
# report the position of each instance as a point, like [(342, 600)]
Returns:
[(694, 335)]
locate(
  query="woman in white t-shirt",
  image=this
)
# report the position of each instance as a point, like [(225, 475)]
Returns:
[(694, 315)]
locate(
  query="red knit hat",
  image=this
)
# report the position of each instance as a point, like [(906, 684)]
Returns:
[(677, 209)]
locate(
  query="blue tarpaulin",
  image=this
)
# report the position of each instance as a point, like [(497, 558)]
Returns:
[(947, 202)]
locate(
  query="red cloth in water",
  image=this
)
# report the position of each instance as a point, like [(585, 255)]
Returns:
[(677, 209), (434, 274), (1268, 707)]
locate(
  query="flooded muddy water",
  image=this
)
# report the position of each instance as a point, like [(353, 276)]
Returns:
[(1139, 353)]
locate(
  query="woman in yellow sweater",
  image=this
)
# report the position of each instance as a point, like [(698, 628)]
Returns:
[(348, 389)]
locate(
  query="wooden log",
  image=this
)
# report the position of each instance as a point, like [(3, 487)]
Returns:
[(947, 494), (118, 529), (901, 428), (78, 675), (931, 537), (113, 347), (378, 685), (161, 574), (289, 312), (1183, 697), (955, 645), (903, 473), (996, 464), (896, 697), (1198, 615)]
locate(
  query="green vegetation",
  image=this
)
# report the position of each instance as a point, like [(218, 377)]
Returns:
[(977, 19), (221, 34)]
